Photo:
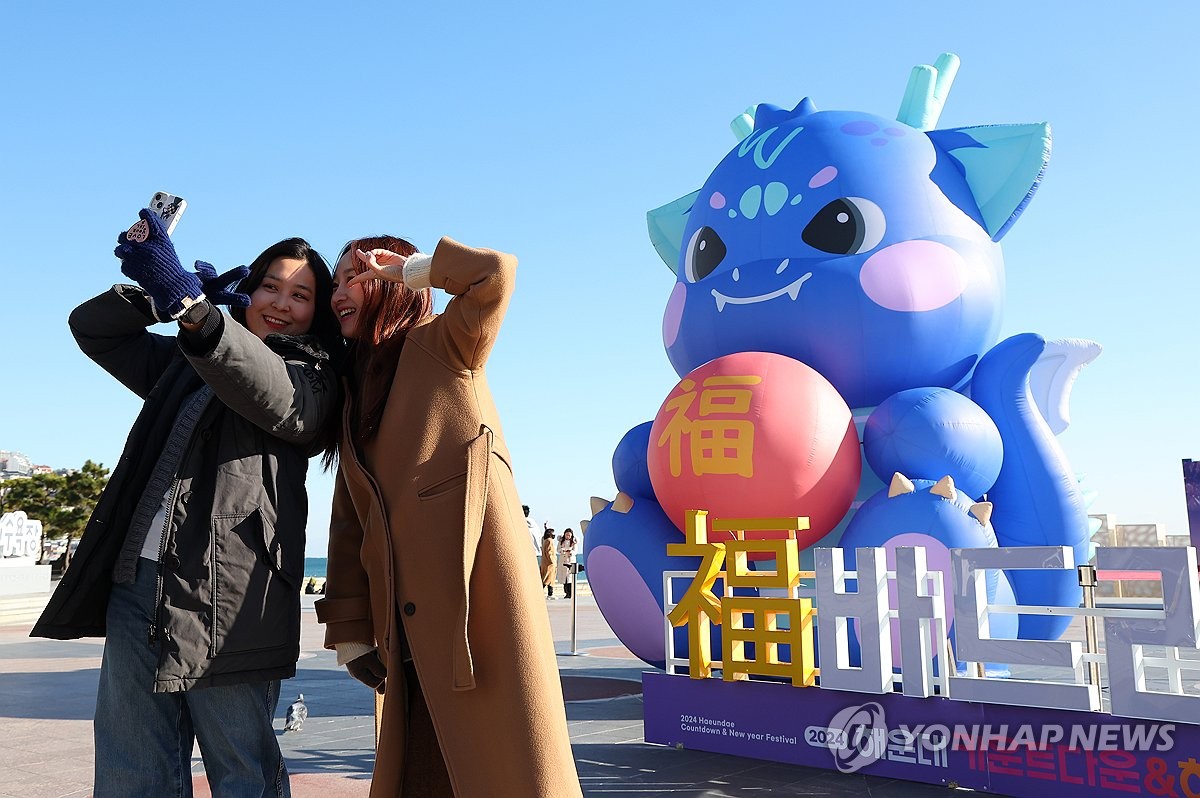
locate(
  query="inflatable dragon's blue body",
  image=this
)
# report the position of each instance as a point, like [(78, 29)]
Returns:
[(866, 248)]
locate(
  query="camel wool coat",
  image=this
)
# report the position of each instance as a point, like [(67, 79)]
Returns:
[(428, 540), (548, 562)]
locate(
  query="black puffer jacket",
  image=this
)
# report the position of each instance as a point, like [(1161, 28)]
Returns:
[(233, 553)]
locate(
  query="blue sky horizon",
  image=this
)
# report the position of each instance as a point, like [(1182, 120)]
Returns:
[(548, 131)]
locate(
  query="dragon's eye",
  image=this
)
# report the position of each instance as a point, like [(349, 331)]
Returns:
[(846, 226), (705, 252)]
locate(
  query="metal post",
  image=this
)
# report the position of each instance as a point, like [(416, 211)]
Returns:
[(1087, 580), (572, 573), (574, 611)]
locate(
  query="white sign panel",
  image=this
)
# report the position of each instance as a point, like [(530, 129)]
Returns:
[(19, 536)]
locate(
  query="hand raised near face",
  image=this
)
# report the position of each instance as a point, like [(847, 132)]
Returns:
[(381, 264)]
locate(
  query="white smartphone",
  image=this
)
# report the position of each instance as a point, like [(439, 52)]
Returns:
[(167, 207)]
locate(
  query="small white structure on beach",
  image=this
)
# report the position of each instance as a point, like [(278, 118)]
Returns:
[(20, 547)]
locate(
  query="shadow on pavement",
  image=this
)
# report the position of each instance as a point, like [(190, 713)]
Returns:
[(69, 695), (641, 769), (40, 648), (327, 693), (321, 760)]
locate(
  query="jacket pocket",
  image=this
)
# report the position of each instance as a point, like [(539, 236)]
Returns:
[(442, 487), (254, 596), (500, 451)]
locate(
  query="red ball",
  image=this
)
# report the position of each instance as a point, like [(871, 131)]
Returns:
[(756, 435)]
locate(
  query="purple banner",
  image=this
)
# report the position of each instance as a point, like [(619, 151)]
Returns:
[(1010, 750), (1191, 492)]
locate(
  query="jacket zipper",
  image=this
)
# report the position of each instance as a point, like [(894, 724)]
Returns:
[(162, 550)]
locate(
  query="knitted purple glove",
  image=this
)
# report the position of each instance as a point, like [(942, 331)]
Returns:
[(222, 289), (148, 258)]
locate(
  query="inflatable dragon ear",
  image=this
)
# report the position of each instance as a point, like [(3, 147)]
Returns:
[(1003, 166), (666, 225)]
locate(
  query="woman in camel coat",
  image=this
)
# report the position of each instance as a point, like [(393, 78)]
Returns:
[(548, 562), (429, 579)]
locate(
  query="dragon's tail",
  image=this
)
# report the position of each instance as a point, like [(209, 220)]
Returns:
[(1037, 498)]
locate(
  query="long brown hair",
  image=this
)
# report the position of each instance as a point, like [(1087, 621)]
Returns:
[(388, 312)]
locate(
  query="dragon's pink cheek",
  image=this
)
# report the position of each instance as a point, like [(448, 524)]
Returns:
[(674, 315), (914, 276)]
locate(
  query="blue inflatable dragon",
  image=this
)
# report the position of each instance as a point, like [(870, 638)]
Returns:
[(866, 248)]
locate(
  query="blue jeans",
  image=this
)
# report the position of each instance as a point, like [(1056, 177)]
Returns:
[(144, 739)]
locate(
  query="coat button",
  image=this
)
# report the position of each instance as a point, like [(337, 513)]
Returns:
[(173, 562), (410, 608), (183, 497)]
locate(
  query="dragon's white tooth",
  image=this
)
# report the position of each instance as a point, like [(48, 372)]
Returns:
[(794, 289), (783, 265), (720, 300), (900, 485), (982, 512), (944, 487)]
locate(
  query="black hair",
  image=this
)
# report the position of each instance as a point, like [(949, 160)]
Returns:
[(325, 327)]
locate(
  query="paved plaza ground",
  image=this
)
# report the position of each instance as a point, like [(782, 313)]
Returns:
[(48, 690)]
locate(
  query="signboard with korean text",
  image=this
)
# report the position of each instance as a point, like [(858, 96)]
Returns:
[(877, 640)]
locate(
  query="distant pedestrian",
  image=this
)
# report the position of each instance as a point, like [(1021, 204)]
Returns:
[(534, 537), (548, 561), (566, 561)]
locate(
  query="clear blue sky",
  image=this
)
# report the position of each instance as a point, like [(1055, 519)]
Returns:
[(548, 130)]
